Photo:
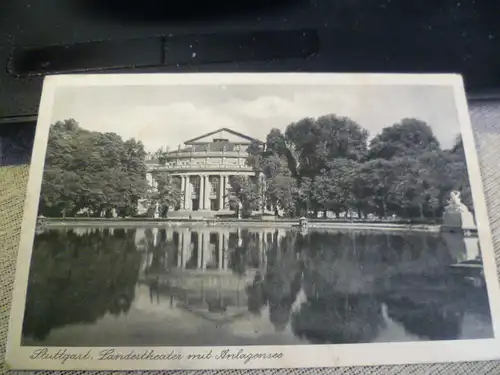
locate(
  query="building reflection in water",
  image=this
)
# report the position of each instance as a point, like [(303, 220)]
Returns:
[(326, 287), (216, 274), (317, 287)]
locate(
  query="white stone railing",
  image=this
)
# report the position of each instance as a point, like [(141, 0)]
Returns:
[(196, 154), (194, 166), (204, 166)]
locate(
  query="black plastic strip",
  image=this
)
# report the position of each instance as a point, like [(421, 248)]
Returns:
[(240, 47), (164, 51), (88, 56), (22, 119)]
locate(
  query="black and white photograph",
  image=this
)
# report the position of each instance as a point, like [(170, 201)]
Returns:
[(240, 214)]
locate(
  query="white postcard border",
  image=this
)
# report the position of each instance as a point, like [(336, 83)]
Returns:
[(20, 357)]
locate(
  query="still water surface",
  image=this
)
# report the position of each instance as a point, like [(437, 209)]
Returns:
[(221, 286)]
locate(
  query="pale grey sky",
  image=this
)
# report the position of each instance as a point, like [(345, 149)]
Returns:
[(168, 115)]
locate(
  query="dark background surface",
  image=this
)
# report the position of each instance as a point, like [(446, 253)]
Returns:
[(314, 36)]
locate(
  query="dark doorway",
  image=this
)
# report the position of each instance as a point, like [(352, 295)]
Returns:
[(196, 204), (213, 205)]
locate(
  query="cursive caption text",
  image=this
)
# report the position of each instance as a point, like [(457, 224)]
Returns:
[(65, 355)]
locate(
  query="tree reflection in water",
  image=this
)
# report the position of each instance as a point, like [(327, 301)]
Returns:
[(339, 318), (352, 283), (79, 278)]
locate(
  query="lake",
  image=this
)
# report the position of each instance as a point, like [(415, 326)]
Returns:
[(233, 286)]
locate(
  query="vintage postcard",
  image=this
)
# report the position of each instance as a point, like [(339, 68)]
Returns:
[(215, 221)]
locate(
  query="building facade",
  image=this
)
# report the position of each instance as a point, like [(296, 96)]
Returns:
[(203, 169)]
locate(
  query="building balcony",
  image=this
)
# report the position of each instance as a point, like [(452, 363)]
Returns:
[(175, 167), (202, 154)]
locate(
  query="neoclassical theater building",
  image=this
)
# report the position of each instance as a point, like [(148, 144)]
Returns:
[(203, 168)]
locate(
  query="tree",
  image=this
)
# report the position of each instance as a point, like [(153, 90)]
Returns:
[(409, 137), (166, 194), (304, 195), (278, 144), (94, 171), (245, 191), (135, 184), (161, 155), (281, 186), (409, 189), (334, 187), (373, 184), (325, 164), (275, 167), (255, 154), (281, 192), (319, 141), (61, 192)]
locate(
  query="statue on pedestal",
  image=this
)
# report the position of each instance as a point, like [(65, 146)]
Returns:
[(457, 216), (455, 204)]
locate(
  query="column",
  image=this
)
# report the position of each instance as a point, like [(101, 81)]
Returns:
[(208, 190), (240, 239), (226, 192), (187, 194), (266, 239), (222, 198), (276, 243), (186, 242), (199, 254), (220, 249), (281, 235), (155, 236), (180, 246), (259, 245), (183, 191), (264, 255), (201, 193), (226, 250), (206, 249), (203, 258), (262, 252)]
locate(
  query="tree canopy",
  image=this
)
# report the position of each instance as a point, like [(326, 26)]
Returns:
[(409, 137), (327, 164), (92, 171)]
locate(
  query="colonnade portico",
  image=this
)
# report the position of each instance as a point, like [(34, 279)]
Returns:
[(200, 194)]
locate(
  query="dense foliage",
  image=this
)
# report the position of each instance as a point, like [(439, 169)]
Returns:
[(327, 164), (322, 164), (96, 174)]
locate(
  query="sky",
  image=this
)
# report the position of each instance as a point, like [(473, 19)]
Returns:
[(166, 116)]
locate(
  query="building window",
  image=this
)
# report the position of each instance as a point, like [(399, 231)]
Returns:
[(214, 183), (195, 182)]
